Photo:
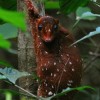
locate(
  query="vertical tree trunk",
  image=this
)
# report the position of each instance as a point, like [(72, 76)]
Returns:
[(26, 56)]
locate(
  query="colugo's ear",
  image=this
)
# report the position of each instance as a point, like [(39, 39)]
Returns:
[(33, 14), (32, 10)]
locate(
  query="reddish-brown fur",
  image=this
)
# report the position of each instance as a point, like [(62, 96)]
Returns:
[(58, 65)]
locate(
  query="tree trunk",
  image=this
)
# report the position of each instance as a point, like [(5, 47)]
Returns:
[(26, 56)]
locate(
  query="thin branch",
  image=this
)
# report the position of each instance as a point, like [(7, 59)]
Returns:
[(75, 24), (89, 64), (32, 95), (94, 54), (96, 3), (91, 40)]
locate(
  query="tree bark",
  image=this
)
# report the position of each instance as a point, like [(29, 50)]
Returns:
[(26, 56)]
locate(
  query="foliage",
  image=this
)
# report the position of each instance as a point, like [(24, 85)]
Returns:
[(10, 32), (68, 6), (89, 16), (72, 89), (97, 31), (12, 74), (5, 63), (2, 77), (4, 43), (82, 10), (15, 18), (85, 14), (8, 95), (52, 5), (11, 6)]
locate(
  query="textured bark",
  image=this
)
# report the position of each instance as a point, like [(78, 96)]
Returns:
[(26, 57)]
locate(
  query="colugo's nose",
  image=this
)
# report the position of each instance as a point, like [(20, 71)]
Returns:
[(48, 37)]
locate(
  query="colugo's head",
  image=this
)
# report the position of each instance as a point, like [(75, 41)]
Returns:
[(47, 28)]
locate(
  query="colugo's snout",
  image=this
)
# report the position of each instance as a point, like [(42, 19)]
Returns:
[(48, 37)]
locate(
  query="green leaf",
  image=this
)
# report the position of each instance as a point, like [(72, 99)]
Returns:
[(94, 0), (8, 95), (12, 4), (12, 74), (13, 51), (82, 10), (15, 18), (4, 63), (68, 6), (8, 31), (86, 16), (52, 5), (11, 91), (89, 16), (2, 77), (72, 89), (4, 43), (88, 36)]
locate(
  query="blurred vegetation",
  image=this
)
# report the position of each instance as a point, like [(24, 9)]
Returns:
[(80, 17)]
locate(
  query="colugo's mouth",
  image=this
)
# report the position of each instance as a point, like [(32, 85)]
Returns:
[(48, 38)]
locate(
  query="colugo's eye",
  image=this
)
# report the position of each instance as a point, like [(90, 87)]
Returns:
[(40, 27), (55, 27)]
